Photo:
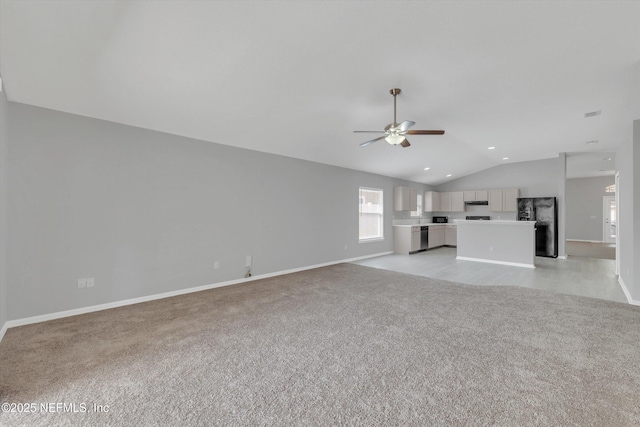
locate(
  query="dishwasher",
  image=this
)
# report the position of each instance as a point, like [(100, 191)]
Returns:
[(424, 237)]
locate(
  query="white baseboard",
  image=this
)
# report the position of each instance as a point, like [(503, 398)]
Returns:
[(562, 257), (627, 294), (115, 304), (587, 241), (490, 261), (3, 330)]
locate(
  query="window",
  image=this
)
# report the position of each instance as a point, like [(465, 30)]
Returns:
[(418, 212), (371, 214), (610, 188)]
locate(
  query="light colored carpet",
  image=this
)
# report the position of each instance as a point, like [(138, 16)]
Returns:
[(591, 249), (340, 345)]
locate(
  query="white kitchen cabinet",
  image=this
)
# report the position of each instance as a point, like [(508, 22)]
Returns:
[(405, 199), (406, 239), (482, 195), (431, 201), (504, 200), (436, 236), (496, 200), (451, 235), (445, 202), (457, 201), (476, 196), (510, 199)]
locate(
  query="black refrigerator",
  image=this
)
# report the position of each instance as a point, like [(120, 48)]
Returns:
[(544, 211)]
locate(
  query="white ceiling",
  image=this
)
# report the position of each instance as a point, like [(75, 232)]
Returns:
[(296, 78)]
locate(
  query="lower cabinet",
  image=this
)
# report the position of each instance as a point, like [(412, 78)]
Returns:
[(406, 240), (450, 235), (436, 236)]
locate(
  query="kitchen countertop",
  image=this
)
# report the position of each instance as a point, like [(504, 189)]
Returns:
[(496, 222), (423, 224)]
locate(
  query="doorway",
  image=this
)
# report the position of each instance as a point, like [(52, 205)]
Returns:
[(609, 223)]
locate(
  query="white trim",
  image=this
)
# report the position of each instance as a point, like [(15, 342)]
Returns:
[(115, 304), (588, 241), (3, 330), (562, 256), (617, 195), (627, 294), (371, 240), (604, 224), (490, 261)]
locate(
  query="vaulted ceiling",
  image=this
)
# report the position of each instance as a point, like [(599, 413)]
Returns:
[(297, 78)]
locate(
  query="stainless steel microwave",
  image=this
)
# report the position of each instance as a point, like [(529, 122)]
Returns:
[(439, 219)]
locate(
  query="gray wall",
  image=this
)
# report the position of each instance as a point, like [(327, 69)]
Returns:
[(4, 144), (145, 212), (584, 206), (538, 178)]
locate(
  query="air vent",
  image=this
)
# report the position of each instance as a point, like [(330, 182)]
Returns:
[(593, 113)]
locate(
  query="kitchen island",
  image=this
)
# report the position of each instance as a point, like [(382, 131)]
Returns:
[(497, 242)]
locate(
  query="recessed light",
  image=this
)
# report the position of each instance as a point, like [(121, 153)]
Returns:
[(593, 113), (448, 175), (607, 158), (595, 141), (505, 158), (491, 148), (427, 169)]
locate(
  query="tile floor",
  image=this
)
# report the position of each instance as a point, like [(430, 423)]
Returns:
[(589, 277)]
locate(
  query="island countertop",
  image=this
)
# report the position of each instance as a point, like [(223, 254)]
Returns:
[(495, 222)]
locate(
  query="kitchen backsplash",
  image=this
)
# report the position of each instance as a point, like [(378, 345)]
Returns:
[(404, 218)]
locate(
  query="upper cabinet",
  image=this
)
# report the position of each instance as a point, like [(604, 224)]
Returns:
[(505, 200), (405, 199), (449, 201), (495, 200), (431, 201), (510, 199), (469, 196), (476, 196), (482, 195), (457, 201), (502, 200), (445, 202)]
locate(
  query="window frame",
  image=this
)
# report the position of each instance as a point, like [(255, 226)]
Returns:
[(380, 237), (419, 205)]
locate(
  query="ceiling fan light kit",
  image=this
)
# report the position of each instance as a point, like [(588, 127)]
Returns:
[(395, 132), (395, 139)]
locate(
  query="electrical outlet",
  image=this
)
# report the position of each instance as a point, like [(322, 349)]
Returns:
[(82, 283), (91, 282), (248, 261), (490, 248), (216, 265), (345, 247)]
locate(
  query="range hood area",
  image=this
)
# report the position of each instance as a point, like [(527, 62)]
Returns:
[(477, 202)]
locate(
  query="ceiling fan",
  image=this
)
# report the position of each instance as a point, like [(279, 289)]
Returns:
[(395, 132)]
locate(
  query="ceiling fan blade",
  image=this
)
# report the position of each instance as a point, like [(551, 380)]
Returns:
[(405, 125), (425, 132), (364, 144), (368, 131), (405, 143)]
